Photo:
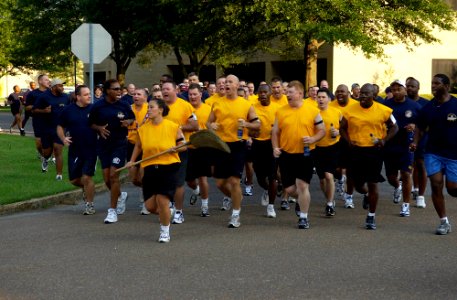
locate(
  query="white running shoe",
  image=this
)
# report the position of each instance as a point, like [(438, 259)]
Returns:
[(44, 165), (348, 203), (264, 200), (271, 211), (144, 211), (234, 221), (226, 203), (248, 190), (164, 237), (121, 203), (404, 211), (397, 194), (420, 202), (111, 217), (59, 177), (178, 218), (339, 187)]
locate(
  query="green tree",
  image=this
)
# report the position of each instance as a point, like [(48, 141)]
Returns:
[(8, 40)]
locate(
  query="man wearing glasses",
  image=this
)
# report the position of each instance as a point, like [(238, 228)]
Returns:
[(110, 118)]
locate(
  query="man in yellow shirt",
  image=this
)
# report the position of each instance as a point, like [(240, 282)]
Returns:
[(342, 102), (327, 150), (181, 113), (198, 165), (296, 130), (220, 91), (230, 116), (365, 133), (277, 92)]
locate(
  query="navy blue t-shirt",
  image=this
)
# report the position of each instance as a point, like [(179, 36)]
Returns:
[(405, 113), (103, 113), (57, 103), (422, 101), (75, 120), (127, 99), (441, 121)]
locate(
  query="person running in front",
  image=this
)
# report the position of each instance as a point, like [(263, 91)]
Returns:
[(296, 130), (159, 179)]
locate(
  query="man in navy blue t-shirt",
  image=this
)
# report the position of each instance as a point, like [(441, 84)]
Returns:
[(74, 131), (110, 118), (48, 107), (397, 155), (439, 117)]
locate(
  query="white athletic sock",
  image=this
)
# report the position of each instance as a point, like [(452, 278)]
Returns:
[(165, 228), (197, 190), (178, 211), (406, 204), (445, 219), (330, 203), (236, 212), (205, 202), (371, 214), (303, 215), (271, 206)]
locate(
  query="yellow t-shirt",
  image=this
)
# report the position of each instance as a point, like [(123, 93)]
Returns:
[(282, 101), (294, 124), (343, 109), (202, 114), (266, 115), (253, 99), (179, 113), (330, 116), (363, 121), (227, 113), (211, 100), (311, 101), (140, 119), (157, 138)]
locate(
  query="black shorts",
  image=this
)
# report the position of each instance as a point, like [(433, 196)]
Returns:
[(326, 159), (181, 174), (15, 107), (80, 164), (395, 161), (249, 153), (160, 180), (130, 148), (112, 155), (344, 156), (230, 164), (295, 166), (49, 138), (264, 163), (366, 165), (198, 164)]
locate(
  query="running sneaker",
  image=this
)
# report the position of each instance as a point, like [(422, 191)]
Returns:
[(297, 209), (444, 228), (339, 187), (271, 211), (204, 211), (22, 131), (397, 197), (279, 190), (291, 199), (52, 159), (172, 209), (59, 177), (329, 211), (415, 194), (365, 202), (264, 200), (420, 202), (370, 223), (285, 205), (178, 218), (120, 209), (348, 203), (89, 209), (44, 165), (193, 199), (111, 217), (248, 190), (226, 203), (303, 223), (234, 221), (164, 237), (404, 211), (144, 210)]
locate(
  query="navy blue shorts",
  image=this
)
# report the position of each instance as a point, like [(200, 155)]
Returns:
[(395, 161), (112, 155), (160, 180), (15, 107), (295, 166), (80, 164), (230, 164), (49, 138)]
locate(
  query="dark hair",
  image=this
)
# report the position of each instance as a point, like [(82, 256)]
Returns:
[(266, 86), (195, 86), (170, 81), (108, 83), (276, 79), (444, 78), (324, 90), (168, 77), (41, 76), (161, 104), (79, 87), (192, 74)]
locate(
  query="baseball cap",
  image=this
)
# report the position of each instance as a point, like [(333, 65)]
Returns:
[(398, 82), (57, 81)]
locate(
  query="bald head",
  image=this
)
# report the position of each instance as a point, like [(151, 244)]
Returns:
[(232, 84)]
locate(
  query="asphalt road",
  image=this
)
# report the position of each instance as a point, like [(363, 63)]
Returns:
[(58, 253)]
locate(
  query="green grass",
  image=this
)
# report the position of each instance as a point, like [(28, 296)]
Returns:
[(21, 177)]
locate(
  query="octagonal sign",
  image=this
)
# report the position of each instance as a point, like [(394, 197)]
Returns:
[(101, 43)]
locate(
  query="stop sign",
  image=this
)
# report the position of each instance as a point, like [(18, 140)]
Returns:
[(101, 42)]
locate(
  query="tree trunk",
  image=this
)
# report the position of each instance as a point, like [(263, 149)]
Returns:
[(180, 61), (311, 63)]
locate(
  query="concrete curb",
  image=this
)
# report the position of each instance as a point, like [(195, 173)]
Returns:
[(66, 198)]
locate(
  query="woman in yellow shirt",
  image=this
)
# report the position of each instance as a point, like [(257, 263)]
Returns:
[(159, 179)]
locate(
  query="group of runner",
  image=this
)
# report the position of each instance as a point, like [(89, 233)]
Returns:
[(287, 137)]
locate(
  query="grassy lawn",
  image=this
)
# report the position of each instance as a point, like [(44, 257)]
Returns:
[(21, 177)]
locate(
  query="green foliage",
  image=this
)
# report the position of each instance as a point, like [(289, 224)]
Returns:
[(8, 40)]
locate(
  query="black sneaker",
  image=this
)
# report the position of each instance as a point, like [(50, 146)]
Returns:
[(303, 223), (370, 223), (285, 205), (365, 202), (204, 212), (22, 132), (329, 211), (297, 209)]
